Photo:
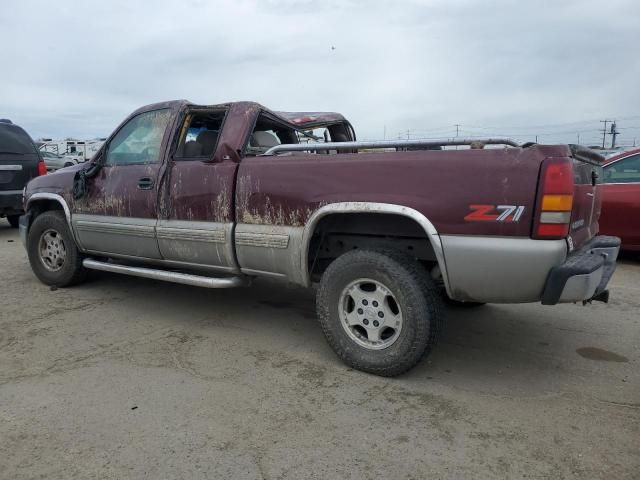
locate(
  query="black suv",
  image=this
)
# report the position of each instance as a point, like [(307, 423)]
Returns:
[(19, 163)]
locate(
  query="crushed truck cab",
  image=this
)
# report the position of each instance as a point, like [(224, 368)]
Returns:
[(216, 196)]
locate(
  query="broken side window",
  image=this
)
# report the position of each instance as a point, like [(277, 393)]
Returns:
[(139, 140), (268, 133), (199, 134)]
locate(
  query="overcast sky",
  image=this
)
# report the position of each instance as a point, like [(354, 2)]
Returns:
[(494, 67)]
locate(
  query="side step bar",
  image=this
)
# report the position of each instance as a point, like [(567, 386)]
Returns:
[(167, 276)]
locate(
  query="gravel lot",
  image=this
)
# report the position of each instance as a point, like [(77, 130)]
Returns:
[(130, 378)]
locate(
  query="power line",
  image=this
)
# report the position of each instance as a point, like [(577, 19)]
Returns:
[(581, 132)]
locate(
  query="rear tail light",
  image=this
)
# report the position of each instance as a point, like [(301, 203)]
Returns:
[(42, 168), (556, 199)]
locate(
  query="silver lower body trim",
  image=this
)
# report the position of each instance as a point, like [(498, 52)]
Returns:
[(500, 269), (117, 235), (270, 250), (198, 242)]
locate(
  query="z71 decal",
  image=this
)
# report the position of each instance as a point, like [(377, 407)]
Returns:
[(495, 213)]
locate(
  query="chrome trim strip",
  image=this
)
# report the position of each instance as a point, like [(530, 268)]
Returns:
[(194, 235), (371, 207), (167, 276), (115, 228), (267, 240), (11, 168), (10, 192)]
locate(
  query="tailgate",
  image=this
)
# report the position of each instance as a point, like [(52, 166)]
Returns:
[(587, 174)]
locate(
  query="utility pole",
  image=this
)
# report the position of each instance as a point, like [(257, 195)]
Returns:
[(457, 125), (614, 134), (604, 130), (578, 134)]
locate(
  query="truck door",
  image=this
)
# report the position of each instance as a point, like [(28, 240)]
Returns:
[(119, 213), (195, 227)]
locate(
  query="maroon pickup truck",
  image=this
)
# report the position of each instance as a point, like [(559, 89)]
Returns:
[(214, 196)]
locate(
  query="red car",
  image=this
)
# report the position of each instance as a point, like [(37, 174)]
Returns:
[(621, 199)]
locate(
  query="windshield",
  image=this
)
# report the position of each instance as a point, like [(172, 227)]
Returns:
[(14, 139)]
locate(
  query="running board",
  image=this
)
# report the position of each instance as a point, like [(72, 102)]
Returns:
[(167, 276)]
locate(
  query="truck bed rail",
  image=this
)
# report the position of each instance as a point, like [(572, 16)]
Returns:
[(586, 154), (301, 147)]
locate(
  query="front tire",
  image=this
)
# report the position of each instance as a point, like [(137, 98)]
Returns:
[(379, 310), (53, 254)]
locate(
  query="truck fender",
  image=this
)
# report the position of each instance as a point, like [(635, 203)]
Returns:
[(53, 197), (371, 207)]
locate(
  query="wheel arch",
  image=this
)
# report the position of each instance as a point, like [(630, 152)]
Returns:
[(370, 208), (44, 201)]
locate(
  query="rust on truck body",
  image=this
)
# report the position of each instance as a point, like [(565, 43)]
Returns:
[(285, 190), (234, 189), (415, 179)]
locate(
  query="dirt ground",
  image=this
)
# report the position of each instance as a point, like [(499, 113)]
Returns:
[(130, 378)]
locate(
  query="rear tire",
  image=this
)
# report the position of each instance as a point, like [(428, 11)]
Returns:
[(53, 254), (365, 287), (14, 220)]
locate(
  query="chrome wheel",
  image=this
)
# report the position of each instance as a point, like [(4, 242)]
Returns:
[(370, 314), (52, 250)]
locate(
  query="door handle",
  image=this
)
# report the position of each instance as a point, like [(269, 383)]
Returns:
[(145, 183)]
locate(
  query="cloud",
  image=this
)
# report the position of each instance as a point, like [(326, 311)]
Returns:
[(78, 68)]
